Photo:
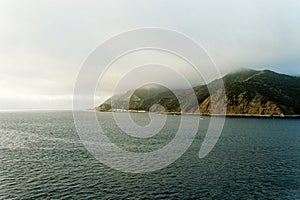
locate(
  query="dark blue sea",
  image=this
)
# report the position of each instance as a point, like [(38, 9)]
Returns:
[(42, 157)]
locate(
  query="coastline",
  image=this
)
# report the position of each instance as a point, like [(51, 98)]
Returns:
[(213, 115)]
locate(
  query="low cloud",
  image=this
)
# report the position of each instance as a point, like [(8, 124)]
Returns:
[(43, 44)]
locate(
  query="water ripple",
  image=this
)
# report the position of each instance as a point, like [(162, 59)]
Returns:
[(43, 158)]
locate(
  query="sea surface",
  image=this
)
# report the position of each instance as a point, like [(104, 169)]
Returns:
[(42, 157)]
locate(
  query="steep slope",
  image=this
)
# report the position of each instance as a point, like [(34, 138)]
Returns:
[(263, 93), (142, 99), (248, 92)]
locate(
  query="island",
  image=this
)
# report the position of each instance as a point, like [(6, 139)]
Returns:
[(249, 93)]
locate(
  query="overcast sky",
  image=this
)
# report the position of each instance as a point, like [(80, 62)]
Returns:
[(44, 43)]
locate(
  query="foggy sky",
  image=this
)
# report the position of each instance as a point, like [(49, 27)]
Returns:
[(44, 43)]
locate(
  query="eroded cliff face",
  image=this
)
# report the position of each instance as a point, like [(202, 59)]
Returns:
[(255, 106), (215, 103)]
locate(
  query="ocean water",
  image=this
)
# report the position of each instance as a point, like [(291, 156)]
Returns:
[(42, 157)]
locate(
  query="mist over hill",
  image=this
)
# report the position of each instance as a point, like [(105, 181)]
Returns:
[(248, 92)]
